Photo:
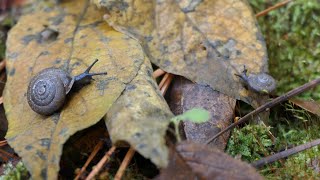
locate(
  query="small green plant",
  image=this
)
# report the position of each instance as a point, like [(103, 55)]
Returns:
[(251, 142), (196, 115), (12, 172)]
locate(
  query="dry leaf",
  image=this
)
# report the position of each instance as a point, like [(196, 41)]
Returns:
[(210, 163), (177, 168), (308, 105), (141, 116), (185, 95), (205, 41), (81, 36)]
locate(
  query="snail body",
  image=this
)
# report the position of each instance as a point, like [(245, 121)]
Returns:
[(261, 83), (47, 90)]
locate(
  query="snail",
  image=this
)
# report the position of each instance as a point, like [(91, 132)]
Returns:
[(47, 90), (261, 83)]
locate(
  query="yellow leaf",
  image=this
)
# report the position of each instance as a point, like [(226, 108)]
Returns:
[(82, 37), (206, 41), (141, 116)]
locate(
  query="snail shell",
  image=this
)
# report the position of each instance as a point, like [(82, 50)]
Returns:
[(47, 90), (261, 83)]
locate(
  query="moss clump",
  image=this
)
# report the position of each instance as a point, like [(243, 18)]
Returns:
[(292, 35), (251, 142), (12, 172)]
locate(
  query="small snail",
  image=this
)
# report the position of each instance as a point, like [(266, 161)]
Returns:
[(48, 89), (261, 83)]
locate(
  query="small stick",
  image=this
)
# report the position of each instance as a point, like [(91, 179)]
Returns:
[(7, 154), (124, 164), (157, 73), (1, 100), (286, 153), (103, 160), (3, 143), (268, 105), (166, 85), (92, 155), (163, 80), (266, 11)]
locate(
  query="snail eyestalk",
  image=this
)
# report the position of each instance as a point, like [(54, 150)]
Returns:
[(86, 76), (243, 75)]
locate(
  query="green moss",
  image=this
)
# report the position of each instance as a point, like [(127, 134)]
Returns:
[(14, 173), (289, 133), (251, 142), (292, 35)]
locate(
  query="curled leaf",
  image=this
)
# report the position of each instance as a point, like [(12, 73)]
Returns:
[(141, 116)]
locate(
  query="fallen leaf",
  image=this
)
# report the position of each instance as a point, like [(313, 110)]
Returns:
[(81, 37), (141, 117), (308, 105), (206, 41), (210, 163), (185, 95), (177, 168)]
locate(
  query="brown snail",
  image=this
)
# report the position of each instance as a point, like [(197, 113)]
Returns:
[(48, 89), (261, 83)]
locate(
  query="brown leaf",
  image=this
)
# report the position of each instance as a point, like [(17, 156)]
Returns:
[(308, 105), (205, 41), (185, 95), (177, 168), (211, 163), (80, 37)]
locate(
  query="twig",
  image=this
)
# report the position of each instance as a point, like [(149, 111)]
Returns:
[(124, 164), (101, 163), (157, 73), (92, 155), (285, 153), (7, 154), (268, 105), (163, 80), (266, 11), (1, 100), (3, 143), (166, 85)]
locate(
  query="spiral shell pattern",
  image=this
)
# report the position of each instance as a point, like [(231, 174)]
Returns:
[(262, 83), (47, 90)]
